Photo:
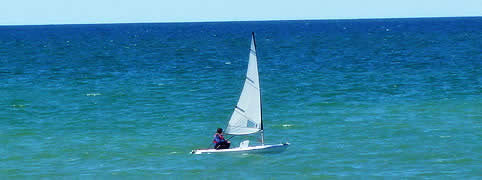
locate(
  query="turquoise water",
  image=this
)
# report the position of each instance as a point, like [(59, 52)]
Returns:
[(392, 98)]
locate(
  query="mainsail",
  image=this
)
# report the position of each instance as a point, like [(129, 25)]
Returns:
[(247, 118)]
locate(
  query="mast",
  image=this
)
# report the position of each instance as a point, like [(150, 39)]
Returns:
[(260, 102)]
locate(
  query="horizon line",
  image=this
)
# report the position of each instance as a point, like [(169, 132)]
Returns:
[(220, 21)]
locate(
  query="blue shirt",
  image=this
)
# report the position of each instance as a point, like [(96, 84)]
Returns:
[(218, 138)]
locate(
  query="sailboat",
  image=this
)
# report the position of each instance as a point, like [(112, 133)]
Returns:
[(247, 116)]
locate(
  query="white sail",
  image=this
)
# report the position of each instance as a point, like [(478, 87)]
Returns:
[(246, 118)]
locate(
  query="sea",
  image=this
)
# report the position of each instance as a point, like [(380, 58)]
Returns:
[(356, 99)]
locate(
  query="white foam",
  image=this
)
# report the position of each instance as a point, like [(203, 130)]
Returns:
[(18, 105), (73, 159), (93, 94), (287, 125)]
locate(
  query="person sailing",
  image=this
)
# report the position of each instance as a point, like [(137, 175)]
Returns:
[(219, 141)]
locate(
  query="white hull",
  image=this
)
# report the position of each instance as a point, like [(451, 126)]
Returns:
[(253, 149)]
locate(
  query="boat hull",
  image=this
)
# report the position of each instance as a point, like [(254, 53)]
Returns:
[(275, 148)]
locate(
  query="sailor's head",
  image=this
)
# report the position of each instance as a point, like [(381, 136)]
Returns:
[(220, 130)]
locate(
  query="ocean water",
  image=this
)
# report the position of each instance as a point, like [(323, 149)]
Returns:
[(386, 98)]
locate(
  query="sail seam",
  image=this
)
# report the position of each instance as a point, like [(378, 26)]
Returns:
[(253, 85), (257, 130), (242, 110), (249, 79), (242, 114)]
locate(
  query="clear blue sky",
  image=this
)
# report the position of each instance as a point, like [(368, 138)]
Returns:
[(16, 12)]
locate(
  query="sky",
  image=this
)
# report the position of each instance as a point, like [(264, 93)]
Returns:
[(30, 12)]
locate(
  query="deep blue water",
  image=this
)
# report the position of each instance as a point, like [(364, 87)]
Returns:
[(390, 98)]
